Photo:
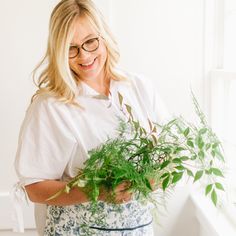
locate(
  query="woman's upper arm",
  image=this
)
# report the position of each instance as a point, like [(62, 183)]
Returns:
[(44, 145)]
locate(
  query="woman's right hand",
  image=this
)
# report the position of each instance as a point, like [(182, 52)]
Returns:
[(122, 194)]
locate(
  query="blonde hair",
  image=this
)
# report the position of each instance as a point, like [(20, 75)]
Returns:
[(57, 79)]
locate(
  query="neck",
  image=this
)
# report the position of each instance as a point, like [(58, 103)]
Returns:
[(101, 84)]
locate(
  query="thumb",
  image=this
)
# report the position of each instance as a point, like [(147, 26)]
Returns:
[(123, 186)]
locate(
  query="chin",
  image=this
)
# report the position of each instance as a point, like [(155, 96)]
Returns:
[(91, 74)]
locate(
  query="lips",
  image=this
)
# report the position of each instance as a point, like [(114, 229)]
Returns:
[(88, 65)]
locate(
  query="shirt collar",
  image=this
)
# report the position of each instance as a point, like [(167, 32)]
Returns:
[(86, 91)]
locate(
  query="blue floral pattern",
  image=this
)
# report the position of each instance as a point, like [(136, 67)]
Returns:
[(129, 219)]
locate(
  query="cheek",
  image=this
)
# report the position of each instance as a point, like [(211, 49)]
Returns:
[(103, 55), (73, 66)]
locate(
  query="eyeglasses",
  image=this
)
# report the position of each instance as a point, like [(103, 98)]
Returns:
[(89, 45)]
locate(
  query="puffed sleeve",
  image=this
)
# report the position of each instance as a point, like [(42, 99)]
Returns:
[(45, 142), (154, 104), (161, 114)]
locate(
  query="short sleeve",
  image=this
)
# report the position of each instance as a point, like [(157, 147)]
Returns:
[(161, 113), (149, 95), (45, 143)]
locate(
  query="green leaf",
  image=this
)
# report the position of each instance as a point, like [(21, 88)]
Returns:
[(120, 174), (136, 125), (148, 184), (164, 175), (179, 149), (164, 164), (144, 131), (129, 109), (202, 131), (186, 132), (180, 167), (216, 171), (201, 145), (198, 175), (140, 132), (201, 154), (208, 188), (176, 160), (120, 98), (150, 124), (208, 145), (193, 157), (184, 158), (154, 129), (154, 138), (165, 182), (214, 197), (214, 145), (213, 153), (174, 172), (219, 186), (190, 143), (190, 173), (199, 142), (177, 177)]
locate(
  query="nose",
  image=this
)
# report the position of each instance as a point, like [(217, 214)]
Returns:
[(83, 54)]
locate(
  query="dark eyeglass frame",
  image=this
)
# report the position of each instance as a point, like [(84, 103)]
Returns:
[(82, 46)]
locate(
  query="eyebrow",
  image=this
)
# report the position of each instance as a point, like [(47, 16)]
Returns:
[(87, 37)]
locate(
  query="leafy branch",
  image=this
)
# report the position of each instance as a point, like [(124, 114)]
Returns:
[(163, 153)]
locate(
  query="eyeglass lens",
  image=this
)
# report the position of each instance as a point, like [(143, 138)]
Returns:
[(90, 45)]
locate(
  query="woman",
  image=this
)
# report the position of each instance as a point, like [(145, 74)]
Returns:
[(74, 110)]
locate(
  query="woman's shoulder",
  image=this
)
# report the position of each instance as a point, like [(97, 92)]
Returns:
[(43, 103), (134, 77), (138, 81)]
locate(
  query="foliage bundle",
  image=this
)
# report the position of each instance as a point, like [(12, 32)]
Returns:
[(163, 153)]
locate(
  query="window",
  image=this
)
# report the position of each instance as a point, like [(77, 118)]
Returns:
[(229, 35), (223, 89)]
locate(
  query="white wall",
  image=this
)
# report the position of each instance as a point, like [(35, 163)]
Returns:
[(164, 40), (161, 39), (24, 27), (23, 33)]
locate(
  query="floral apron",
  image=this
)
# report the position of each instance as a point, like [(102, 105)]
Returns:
[(128, 219)]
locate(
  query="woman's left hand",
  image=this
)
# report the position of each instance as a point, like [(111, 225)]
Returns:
[(153, 184), (122, 194)]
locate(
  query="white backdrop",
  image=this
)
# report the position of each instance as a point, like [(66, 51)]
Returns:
[(161, 39)]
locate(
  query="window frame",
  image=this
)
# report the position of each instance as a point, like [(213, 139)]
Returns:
[(217, 81)]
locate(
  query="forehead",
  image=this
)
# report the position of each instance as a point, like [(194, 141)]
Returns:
[(83, 29)]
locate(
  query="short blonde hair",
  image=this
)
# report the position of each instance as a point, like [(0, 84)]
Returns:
[(56, 78)]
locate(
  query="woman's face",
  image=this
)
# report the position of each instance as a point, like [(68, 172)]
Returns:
[(87, 65)]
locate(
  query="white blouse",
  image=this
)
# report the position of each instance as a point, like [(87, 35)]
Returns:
[(55, 138)]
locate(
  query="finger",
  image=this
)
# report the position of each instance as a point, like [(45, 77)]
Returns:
[(152, 181), (123, 195), (123, 186), (124, 199)]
